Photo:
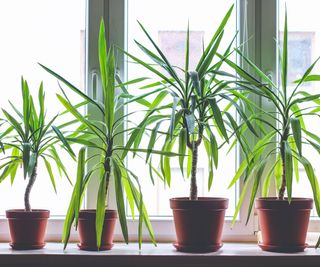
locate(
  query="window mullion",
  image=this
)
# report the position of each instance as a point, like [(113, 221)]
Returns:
[(248, 25), (115, 19), (269, 55), (258, 26), (261, 17), (95, 11)]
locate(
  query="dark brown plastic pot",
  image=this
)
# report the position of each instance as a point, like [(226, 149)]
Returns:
[(198, 223), (284, 225), (87, 230), (27, 228)]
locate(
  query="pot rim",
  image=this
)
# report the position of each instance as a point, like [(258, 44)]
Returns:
[(21, 213), (268, 203), (214, 203), (94, 210), (295, 199), (91, 213), (200, 199)]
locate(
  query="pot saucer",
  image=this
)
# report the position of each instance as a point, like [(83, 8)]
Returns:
[(94, 248), (26, 246), (197, 248), (283, 249)]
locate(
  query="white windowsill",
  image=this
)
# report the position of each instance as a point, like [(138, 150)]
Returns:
[(231, 254)]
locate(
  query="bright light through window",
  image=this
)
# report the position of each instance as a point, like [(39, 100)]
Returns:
[(52, 33), (167, 21)]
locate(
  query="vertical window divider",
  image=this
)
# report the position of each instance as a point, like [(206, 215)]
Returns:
[(95, 11)]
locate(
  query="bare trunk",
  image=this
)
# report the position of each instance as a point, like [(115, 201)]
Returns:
[(32, 179), (193, 182), (283, 183), (193, 145), (107, 169), (284, 139), (107, 166)]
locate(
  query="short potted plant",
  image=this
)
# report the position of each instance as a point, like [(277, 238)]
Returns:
[(30, 137), (283, 219), (96, 226), (196, 96)]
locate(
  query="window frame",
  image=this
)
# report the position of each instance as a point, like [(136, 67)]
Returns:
[(257, 21)]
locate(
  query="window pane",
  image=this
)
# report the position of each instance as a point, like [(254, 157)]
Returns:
[(50, 32), (303, 50), (167, 21)]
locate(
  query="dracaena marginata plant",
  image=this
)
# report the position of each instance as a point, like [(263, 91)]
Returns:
[(194, 114), (279, 152), (29, 137), (101, 137)]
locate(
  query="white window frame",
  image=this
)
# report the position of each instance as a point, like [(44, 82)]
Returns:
[(258, 22)]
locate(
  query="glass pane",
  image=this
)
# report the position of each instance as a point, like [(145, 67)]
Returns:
[(53, 33), (303, 50), (166, 21)]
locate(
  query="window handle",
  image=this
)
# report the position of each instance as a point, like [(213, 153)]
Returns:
[(94, 84), (269, 74)]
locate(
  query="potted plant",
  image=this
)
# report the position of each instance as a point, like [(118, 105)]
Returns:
[(283, 219), (195, 106), (30, 137), (96, 226)]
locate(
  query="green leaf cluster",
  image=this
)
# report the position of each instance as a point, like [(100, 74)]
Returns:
[(196, 112), (279, 153), (100, 136), (29, 136)]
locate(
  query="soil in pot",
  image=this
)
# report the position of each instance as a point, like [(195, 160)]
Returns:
[(87, 230), (284, 225), (27, 228), (198, 223)]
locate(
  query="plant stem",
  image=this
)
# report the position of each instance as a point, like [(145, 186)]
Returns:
[(284, 139), (283, 182), (193, 182), (194, 148), (32, 179), (107, 166), (108, 171)]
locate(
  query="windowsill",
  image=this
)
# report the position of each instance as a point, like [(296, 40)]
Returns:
[(231, 254)]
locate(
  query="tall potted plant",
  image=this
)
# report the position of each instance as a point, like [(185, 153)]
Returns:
[(30, 137), (196, 98), (283, 219), (96, 226)]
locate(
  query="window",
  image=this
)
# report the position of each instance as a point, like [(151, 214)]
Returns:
[(52, 33), (170, 34), (175, 25), (67, 42)]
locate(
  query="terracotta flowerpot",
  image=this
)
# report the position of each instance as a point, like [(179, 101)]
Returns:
[(198, 223), (87, 230), (27, 228), (284, 226)]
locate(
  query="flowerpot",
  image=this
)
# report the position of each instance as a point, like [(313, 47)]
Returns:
[(87, 230), (198, 223), (283, 225), (27, 228)]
